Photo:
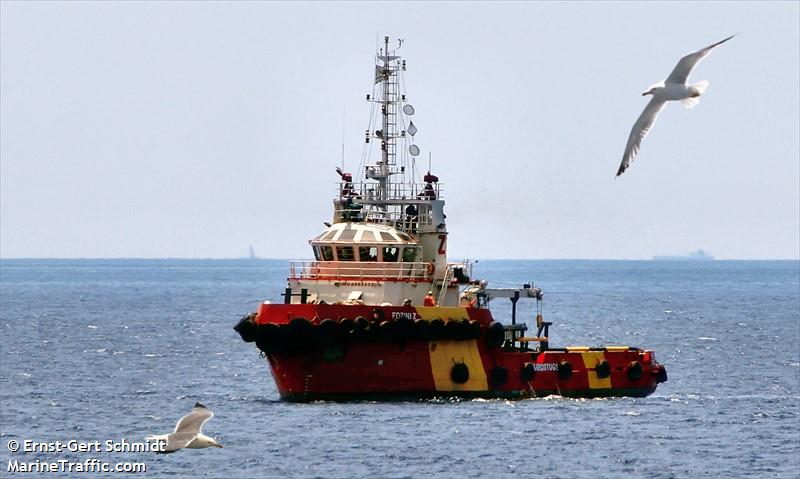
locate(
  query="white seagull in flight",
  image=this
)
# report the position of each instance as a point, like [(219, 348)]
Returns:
[(187, 432), (673, 88)]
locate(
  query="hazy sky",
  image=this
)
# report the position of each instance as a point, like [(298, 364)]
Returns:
[(138, 129)]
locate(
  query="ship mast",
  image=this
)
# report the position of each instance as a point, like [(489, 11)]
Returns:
[(387, 75), (393, 110)]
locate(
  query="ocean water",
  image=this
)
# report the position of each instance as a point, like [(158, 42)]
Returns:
[(113, 350)]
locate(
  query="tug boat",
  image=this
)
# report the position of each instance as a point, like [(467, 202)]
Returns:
[(380, 313)]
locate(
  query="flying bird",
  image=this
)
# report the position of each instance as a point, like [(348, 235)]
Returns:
[(673, 88), (187, 432)]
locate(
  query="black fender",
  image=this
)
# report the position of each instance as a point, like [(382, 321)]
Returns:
[(460, 373), (564, 370), (495, 335)]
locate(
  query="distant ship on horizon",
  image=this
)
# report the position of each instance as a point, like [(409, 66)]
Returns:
[(698, 255), (252, 253)]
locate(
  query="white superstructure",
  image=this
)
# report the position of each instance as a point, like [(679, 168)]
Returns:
[(387, 242)]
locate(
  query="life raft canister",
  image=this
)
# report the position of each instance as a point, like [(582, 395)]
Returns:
[(460, 373)]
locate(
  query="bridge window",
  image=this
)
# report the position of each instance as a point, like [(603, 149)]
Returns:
[(367, 253), (345, 253), (386, 236), (390, 254), (409, 254), (326, 253)]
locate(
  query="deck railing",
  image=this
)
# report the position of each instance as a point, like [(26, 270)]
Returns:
[(366, 270), (366, 191), (396, 219)]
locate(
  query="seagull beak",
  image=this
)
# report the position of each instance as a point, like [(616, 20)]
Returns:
[(648, 92), (218, 445)]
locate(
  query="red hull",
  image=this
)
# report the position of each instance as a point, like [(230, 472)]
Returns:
[(407, 353)]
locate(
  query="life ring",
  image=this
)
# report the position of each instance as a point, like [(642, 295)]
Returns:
[(431, 268), (460, 373)]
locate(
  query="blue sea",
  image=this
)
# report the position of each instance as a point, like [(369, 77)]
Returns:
[(113, 350)]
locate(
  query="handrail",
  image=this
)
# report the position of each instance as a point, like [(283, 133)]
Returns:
[(396, 190), (445, 280), (371, 270), (395, 219)]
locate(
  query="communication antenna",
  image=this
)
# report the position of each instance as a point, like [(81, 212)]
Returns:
[(344, 117)]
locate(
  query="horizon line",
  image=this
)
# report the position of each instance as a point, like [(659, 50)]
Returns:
[(246, 258)]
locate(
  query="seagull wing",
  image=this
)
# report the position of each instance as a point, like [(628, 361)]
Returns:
[(686, 64), (639, 131), (178, 440), (193, 422)]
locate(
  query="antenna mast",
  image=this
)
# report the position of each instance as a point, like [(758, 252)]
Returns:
[(389, 114)]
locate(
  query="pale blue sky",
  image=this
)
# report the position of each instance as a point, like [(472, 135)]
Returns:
[(197, 129)]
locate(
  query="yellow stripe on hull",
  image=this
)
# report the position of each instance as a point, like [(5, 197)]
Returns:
[(447, 353), (443, 313), (590, 361)]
